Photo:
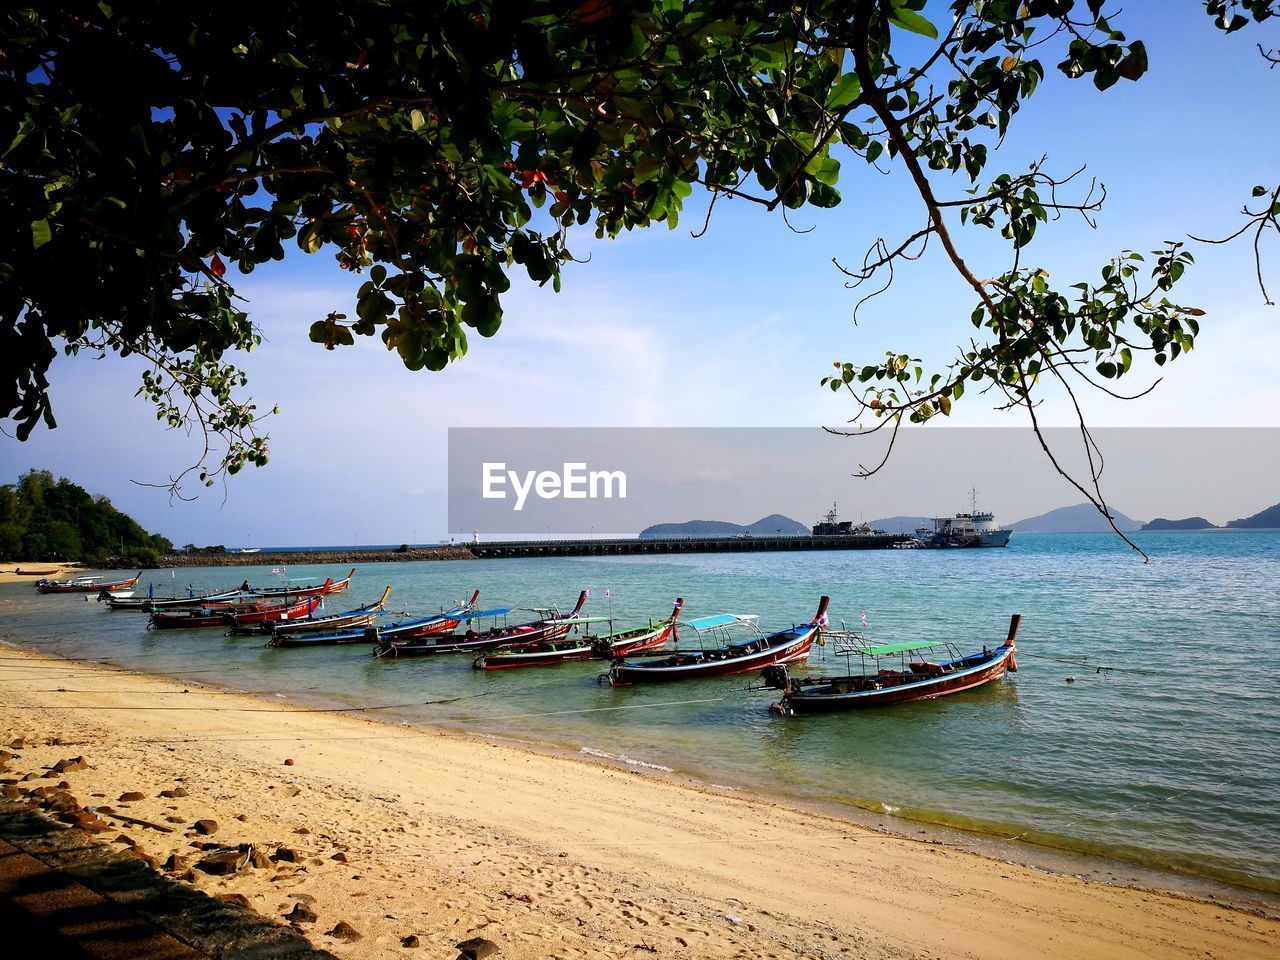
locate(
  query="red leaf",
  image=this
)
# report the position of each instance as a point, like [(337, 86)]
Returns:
[(217, 266)]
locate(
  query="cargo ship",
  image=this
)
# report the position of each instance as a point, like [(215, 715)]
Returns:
[(973, 529)]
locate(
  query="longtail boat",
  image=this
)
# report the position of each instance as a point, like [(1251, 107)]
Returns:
[(218, 616), (444, 622), (150, 604), (292, 610), (19, 572), (322, 590), (635, 640), (924, 671), (85, 585), (350, 619), (552, 625), (544, 653), (745, 656)]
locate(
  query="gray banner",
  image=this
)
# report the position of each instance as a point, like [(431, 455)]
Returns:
[(559, 482)]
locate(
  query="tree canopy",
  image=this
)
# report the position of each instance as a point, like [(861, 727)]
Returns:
[(152, 151), (46, 519)]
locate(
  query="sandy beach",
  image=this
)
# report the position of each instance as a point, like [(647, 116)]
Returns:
[(401, 832)]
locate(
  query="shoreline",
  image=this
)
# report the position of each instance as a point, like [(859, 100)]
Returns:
[(589, 855)]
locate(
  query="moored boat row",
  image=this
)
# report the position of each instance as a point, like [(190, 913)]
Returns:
[(715, 645)]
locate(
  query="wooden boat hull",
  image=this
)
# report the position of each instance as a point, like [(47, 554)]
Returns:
[(784, 646), (640, 640), (543, 654), (404, 631), (922, 681), (71, 586), (326, 588), (295, 611), (695, 664), (536, 631), (194, 620), (469, 641), (214, 617), (829, 698), (116, 602), (339, 622)]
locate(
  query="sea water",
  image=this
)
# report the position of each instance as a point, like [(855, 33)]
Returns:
[(1144, 722)]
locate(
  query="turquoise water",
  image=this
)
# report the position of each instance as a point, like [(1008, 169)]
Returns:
[(1171, 760)]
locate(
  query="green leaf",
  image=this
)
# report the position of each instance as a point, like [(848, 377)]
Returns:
[(28, 124), (910, 20), (847, 89), (647, 168), (41, 233), (309, 238)]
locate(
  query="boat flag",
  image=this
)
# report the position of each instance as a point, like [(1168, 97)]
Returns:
[(864, 619), (606, 593)]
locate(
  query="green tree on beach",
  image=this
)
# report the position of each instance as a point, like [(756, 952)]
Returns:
[(46, 519), (436, 149)]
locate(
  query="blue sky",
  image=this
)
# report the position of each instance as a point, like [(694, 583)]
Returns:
[(732, 329)]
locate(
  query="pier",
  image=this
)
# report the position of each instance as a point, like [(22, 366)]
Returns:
[(665, 545)]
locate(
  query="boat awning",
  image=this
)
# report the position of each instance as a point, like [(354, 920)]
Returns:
[(890, 648), (495, 612), (587, 620), (719, 620)]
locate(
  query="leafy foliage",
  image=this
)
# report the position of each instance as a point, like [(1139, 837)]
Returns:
[(436, 149), (46, 519)]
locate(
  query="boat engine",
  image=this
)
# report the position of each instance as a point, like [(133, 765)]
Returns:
[(774, 676)]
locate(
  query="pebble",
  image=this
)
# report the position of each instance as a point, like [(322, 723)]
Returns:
[(131, 797), (477, 948), (345, 932), (301, 913), (411, 941), (205, 827), (224, 862)]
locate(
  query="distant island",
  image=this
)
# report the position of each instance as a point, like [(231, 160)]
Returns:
[(1082, 518), (1186, 523), (773, 525), (1268, 519)]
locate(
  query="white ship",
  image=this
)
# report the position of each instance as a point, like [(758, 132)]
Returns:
[(972, 529)]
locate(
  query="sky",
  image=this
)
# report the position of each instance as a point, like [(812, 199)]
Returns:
[(733, 329)]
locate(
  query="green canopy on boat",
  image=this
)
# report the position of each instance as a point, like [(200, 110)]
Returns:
[(888, 648)]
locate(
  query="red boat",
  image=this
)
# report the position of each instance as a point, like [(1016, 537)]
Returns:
[(85, 585), (552, 626), (626, 643), (545, 653), (219, 616), (299, 610), (322, 590), (755, 653), (912, 679)]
